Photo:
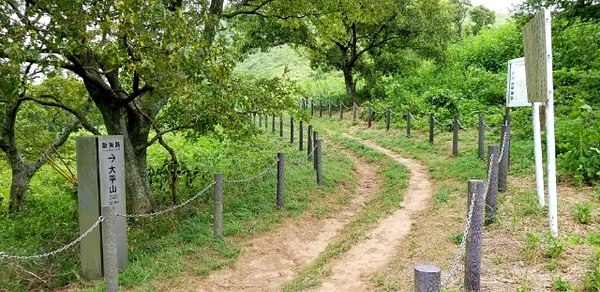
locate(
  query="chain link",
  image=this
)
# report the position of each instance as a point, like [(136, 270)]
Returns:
[(168, 209), (503, 146), (254, 176), (4, 255), (488, 127), (439, 123), (461, 126), (305, 159), (463, 243)]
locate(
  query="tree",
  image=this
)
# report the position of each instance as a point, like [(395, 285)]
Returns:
[(481, 17), (343, 35), (459, 11), (148, 66)]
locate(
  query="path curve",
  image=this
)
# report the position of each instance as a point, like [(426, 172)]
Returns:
[(351, 271), (274, 258)]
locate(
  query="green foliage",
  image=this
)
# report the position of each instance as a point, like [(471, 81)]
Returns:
[(578, 146), (591, 279), (554, 248), (457, 238), (583, 213), (442, 195), (481, 18), (561, 285), (532, 245)]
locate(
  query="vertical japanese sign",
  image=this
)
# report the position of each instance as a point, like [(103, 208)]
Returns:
[(101, 182), (516, 87)]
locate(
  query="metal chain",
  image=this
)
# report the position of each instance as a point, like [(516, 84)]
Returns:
[(463, 243), (305, 159), (503, 146), (488, 127), (254, 176), (393, 112), (346, 107), (439, 123), (168, 209), (461, 126), (4, 255)]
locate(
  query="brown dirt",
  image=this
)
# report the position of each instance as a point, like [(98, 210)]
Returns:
[(274, 258), (350, 271)]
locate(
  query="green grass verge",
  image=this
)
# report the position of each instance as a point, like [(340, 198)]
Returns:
[(395, 181)]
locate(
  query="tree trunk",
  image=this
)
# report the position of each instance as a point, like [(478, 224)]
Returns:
[(21, 176), (350, 84)]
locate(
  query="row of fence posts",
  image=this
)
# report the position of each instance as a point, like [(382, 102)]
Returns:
[(481, 203), (427, 277), (456, 126), (109, 245)]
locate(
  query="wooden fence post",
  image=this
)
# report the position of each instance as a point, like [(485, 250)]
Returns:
[(431, 127), (260, 121), (281, 127), (330, 105), (319, 163), (109, 249), (455, 137), (427, 278), (273, 125), (309, 141), (280, 179), (370, 118), (387, 119), (408, 123), (491, 197), (473, 244), (354, 111), (315, 138), (320, 108), (312, 107), (503, 165), (266, 121), (341, 110), (301, 137), (481, 137), (291, 130), (218, 207)]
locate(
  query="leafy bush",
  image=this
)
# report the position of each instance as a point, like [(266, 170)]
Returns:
[(583, 213)]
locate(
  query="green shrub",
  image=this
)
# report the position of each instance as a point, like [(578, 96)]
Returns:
[(583, 213)]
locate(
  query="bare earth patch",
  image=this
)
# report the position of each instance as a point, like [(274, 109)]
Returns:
[(274, 258), (351, 272)]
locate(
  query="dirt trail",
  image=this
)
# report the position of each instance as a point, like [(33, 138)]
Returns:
[(351, 271), (274, 258)]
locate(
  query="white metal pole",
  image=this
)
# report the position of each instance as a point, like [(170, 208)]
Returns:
[(551, 152), (539, 164)]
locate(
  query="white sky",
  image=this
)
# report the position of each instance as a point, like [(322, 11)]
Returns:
[(496, 5)]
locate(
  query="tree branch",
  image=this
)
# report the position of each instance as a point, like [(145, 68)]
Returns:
[(80, 115)]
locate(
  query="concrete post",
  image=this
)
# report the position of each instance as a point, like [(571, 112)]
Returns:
[(218, 205), (431, 128), (473, 244), (427, 278), (455, 137), (280, 179), (319, 163), (109, 249), (491, 197)]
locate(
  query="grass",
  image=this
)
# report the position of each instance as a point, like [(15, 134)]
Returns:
[(520, 234), (394, 180)]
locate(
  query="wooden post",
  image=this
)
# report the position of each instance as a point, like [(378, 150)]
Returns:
[(315, 138), (491, 197), (301, 137), (280, 178), (312, 108), (218, 210), (431, 127), (330, 105), (503, 166), (319, 163), (341, 110), (266, 121), (387, 119), (309, 141), (481, 137), (354, 111), (291, 130), (427, 278), (273, 125), (370, 118), (109, 249), (408, 123), (281, 127), (473, 244), (320, 108), (455, 137), (254, 117), (260, 121)]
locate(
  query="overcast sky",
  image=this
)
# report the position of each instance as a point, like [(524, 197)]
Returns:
[(496, 5)]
